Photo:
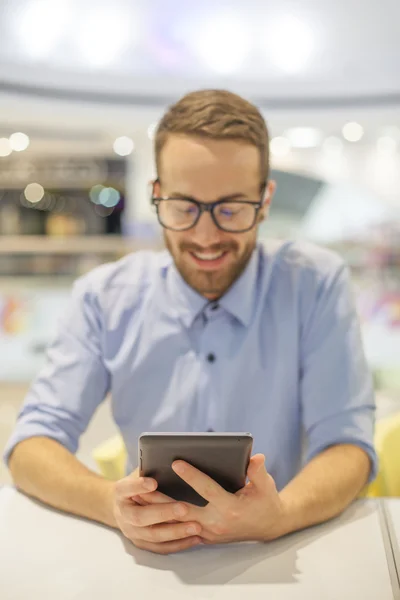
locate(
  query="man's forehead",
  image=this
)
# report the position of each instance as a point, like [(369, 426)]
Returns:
[(230, 162)]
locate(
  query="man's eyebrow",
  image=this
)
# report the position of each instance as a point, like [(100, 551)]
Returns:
[(186, 197)]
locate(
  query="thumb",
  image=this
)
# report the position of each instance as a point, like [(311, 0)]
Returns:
[(257, 473)]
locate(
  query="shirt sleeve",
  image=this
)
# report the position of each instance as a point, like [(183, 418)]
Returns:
[(337, 396), (73, 381)]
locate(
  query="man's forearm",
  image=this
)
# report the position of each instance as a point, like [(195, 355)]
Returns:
[(323, 489), (44, 469)]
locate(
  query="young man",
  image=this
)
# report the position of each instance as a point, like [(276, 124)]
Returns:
[(217, 333)]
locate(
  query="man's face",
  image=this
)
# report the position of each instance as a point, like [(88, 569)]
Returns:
[(209, 170)]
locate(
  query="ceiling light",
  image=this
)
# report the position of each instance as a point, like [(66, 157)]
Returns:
[(289, 44), (104, 36), (222, 44), (5, 147), (123, 146), (19, 141), (40, 26), (34, 192), (333, 145), (387, 145), (353, 132), (303, 137), (280, 146)]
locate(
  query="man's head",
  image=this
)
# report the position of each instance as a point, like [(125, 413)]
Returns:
[(212, 146)]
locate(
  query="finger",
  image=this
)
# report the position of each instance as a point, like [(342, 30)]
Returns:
[(152, 498), (208, 489), (133, 486), (169, 547), (157, 498), (167, 533), (152, 514), (257, 473)]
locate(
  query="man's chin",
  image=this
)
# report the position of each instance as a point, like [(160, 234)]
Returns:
[(210, 287)]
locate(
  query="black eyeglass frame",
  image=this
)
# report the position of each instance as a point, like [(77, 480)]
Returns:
[(210, 208)]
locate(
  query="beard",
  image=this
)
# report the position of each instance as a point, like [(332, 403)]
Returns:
[(211, 284)]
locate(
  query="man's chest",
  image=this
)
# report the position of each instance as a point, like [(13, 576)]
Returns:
[(212, 375)]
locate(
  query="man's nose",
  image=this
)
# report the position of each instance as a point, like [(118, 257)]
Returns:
[(205, 232)]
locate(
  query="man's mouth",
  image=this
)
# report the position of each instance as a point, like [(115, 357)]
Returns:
[(209, 260), (208, 255)]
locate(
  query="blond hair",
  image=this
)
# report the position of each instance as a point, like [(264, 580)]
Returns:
[(218, 115)]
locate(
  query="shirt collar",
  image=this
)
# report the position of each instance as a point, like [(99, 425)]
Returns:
[(239, 300), (187, 303)]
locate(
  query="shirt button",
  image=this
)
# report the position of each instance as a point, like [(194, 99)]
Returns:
[(211, 357), (215, 306)]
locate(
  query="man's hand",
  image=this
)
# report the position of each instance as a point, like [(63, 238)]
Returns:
[(252, 514), (151, 520)]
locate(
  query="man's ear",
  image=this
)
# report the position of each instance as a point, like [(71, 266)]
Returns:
[(268, 195), (155, 188)]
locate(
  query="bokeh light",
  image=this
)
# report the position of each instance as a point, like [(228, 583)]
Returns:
[(40, 25), (5, 147), (353, 132), (279, 146), (109, 197), (104, 35), (19, 141), (387, 146), (34, 192), (304, 137), (123, 146), (222, 43), (95, 193), (289, 43)]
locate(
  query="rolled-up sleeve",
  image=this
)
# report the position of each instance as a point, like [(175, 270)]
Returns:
[(337, 397), (73, 381)]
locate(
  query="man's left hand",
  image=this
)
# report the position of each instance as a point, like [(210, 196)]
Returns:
[(252, 514)]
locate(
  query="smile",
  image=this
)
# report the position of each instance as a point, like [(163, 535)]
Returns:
[(209, 261), (208, 256)]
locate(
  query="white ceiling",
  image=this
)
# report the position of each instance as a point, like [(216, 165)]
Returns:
[(152, 51), (285, 53)]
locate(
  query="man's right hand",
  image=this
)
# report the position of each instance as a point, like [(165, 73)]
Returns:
[(149, 519)]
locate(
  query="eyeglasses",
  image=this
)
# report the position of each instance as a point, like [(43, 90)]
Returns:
[(180, 214)]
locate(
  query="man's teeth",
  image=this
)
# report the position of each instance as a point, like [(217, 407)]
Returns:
[(208, 256)]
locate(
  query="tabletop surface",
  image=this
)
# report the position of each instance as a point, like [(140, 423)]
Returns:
[(392, 509), (45, 554)]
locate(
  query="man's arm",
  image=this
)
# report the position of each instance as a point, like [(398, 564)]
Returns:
[(56, 411), (44, 469), (323, 489)]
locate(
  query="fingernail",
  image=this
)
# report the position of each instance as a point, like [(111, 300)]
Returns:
[(180, 510), (149, 484), (178, 467)]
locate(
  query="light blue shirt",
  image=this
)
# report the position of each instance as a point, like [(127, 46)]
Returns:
[(280, 356)]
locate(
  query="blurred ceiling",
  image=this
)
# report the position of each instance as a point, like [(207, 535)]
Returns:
[(285, 54), (75, 75)]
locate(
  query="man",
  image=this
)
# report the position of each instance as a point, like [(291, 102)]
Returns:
[(219, 333)]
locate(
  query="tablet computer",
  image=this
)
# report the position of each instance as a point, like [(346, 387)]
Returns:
[(223, 456)]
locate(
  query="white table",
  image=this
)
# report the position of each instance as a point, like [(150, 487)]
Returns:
[(46, 555), (392, 513)]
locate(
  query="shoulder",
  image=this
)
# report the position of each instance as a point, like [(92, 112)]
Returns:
[(131, 275), (302, 261)]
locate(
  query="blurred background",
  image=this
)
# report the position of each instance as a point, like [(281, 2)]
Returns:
[(82, 87)]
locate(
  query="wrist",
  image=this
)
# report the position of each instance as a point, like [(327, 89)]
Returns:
[(283, 522), (107, 504)]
